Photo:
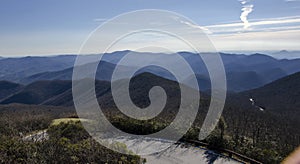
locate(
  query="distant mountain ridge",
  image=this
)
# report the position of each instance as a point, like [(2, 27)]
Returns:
[(66, 74), (38, 92), (284, 54), (59, 93), (244, 72), (7, 88), (15, 69), (282, 94), (281, 97)]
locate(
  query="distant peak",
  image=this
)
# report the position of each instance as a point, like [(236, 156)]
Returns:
[(283, 51)]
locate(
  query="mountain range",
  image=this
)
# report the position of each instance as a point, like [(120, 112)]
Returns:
[(262, 105), (244, 72), (59, 93), (284, 54), (280, 95), (15, 69)]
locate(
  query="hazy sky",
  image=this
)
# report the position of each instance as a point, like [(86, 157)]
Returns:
[(35, 27)]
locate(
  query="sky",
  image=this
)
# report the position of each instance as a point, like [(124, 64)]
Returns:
[(50, 27)]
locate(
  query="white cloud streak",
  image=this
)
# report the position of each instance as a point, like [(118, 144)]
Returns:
[(270, 24), (258, 41), (269, 21), (246, 10), (292, 0), (100, 19), (204, 29)]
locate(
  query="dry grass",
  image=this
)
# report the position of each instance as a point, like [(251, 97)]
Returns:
[(66, 120)]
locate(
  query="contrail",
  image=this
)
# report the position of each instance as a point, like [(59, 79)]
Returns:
[(246, 10)]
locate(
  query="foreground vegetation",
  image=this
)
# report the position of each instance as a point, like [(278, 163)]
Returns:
[(265, 137), (262, 136), (68, 141)]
